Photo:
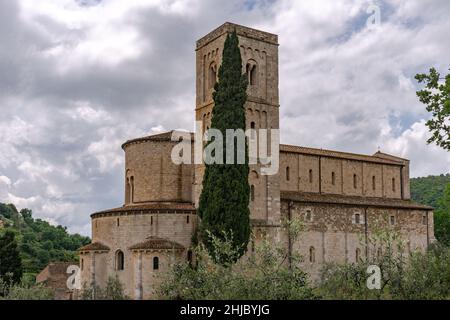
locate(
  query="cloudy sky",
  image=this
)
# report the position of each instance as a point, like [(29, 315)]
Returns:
[(79, 77)]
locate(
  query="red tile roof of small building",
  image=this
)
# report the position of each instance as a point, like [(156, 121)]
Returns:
[(95, 246), (155, 243)]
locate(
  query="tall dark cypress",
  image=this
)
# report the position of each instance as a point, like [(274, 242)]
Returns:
[(224, 202), (10, 260)]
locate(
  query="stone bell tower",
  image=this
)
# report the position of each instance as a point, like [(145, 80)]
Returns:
[(259, 51)]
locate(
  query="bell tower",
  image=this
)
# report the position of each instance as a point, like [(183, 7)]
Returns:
[(259, 52)]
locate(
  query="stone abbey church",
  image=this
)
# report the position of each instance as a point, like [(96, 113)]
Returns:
[(341, 197)]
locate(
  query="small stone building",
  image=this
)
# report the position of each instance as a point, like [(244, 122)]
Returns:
[(341, 197), (54, 276)]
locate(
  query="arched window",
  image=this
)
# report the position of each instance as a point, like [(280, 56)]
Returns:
[(82, 264), (120, 261), (187, 219), (212, 75), (393, 184), (308, 216), (252, 193), (189, 256), (288, 173), (251, 71), (155, 263), (424, 220), (357, 218), (333, 178), (392, 220), (310, 176), (132, 189), (357, 255), (374, 183), (312, 255), (355, 181), (118, 222), (253, 128)]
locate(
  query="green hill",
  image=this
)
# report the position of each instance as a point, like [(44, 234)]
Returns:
[(39, 242), (429, 190)]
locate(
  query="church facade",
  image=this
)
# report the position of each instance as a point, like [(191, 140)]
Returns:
[(341, 197)]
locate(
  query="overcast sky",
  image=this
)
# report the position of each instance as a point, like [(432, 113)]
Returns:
[(79, 77)]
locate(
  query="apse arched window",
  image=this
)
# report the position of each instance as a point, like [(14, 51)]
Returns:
[(155, 263), (310, 176), (288, 173), (212, 75), (252, 193), (120, 261), (189, 256), (374, 183), (393, 184), (333, 178), (357, 218), (188, 219), (82, 264), (312, 255), (355, 181)]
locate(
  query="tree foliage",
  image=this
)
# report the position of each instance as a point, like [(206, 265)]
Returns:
[(10, 261), (39, 242), (436, 96), (263, 275), (224, 202)]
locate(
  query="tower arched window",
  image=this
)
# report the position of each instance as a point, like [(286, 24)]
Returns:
[(288, 173), (333, 178), (120, 261), (155, 263), (253, 129), (251, 71), (212, 75), (393, 184)]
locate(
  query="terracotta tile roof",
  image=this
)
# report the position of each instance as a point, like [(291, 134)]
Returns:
[(150, 207), (352, 200), (165, 136), (95, 246), (155, 243), (338, 154)]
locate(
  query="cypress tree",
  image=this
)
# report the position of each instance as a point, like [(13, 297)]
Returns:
[(10, 260), (224, 202)]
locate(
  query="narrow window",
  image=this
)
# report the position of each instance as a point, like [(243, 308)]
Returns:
[(374, 183), (155, 263), (310, 176), (308, 216), (393, 184), (252, 193), (288, 173), (212, 75), (120, 261), (82, 264), (187, 219), (357, 218), (424, 220), (189, 256), (118, 222), (355, 181), (132, 189), (357, 255), (312, 255), (253, 130), (333, 178), (392, 220), (151, 220), (251, 73)]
